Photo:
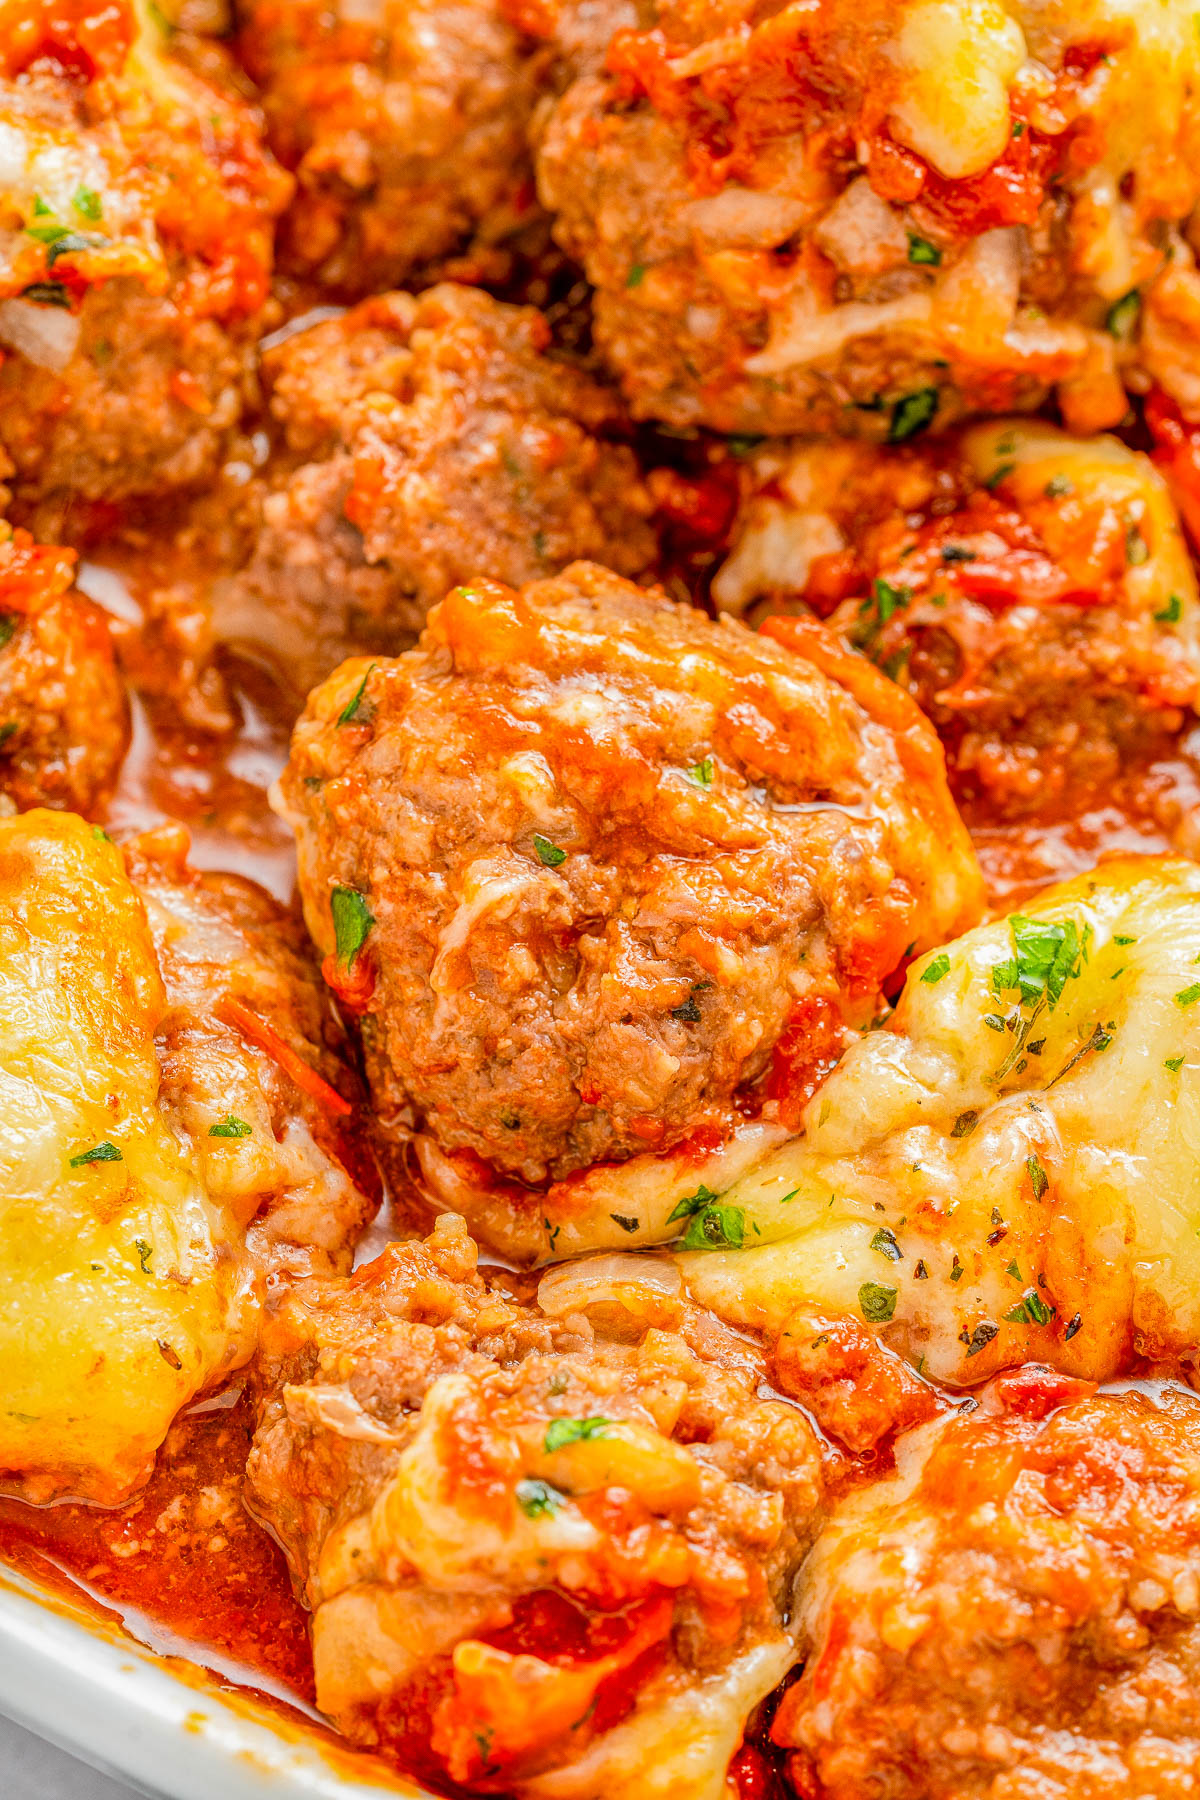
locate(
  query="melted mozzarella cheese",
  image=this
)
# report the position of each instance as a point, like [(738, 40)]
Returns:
[(956, 60), (123, 1287)]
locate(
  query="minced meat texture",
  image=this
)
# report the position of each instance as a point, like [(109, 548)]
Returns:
[(64, 719), (579, 858), (424, 441), (1015, 1612), (139, 203), (862, 216), (532, 1536), (406, 125)]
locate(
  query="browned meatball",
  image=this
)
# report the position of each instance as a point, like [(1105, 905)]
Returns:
[(551, 1540), (580, 857), (864, 215), (425, 441), (1032, 590), (64, 722), (405, 123), (1016, 1612), (139, 204)]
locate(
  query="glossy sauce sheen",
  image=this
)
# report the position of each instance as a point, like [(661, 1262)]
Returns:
[(183, 1566)]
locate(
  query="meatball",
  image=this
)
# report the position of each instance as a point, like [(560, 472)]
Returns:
[(1032, 590), (1002, 1169), (1015, 1612), (139, 202), (866, 216), (579, 858), (64, 721), (549, 1547), (406, 124), (424, 441), (172, 1137)]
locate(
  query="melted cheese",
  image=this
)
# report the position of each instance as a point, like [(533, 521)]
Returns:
[(990, 1181), (956, 62), (123, 1288)]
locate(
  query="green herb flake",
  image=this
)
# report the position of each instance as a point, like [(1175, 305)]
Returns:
[(626, 1224), (743, 444), (1174, 1063), (999, 474), (1137, 550), (692, 1203), (1013, 1270), (1124, 940), (352, 922), (1058, 486), (229, 1127), (1039, 1181), (877, 1304), (99, 1153), (537, 1499), (716, 1228), (1018, 130), (1171, 613), (145, 1252), (994, 1022), (561, 1432), (47, 293), (548, 854), (87, 201), (1031, 1309), (48, 234), (349, 712), (936, 970), (965, 1124), (922, 252), (702, 772), (912, 414), (8, 627), (1122, 316), (888, 599), (885, 1243), (1188, 996), (636, 275)]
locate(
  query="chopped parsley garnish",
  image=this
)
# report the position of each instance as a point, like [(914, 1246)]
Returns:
[(994, 1022), (885, 1242), (99, 1153), (1057, 486), (957, 553), (912, 414), (1031, 1309), (549, 855), (352, 922), (626, 1224), (349, 712), (921, 251), (965, 1124), (48, 234), (716, 1228), (702, 772), (1018, 130), (537, 1499), (1171, 613), (1122, 316), (1100, 1039), (1047, 954), (877, 1304), (743, 444), (87, 201), (229, 1127), (934, 971), (560, 1432), (636, 275), (1039, 1181), (69, 244), (956, 1270), (689, 1012), (888, 599), (1174, 1063), (999, 474), (145, 1252), (1188, 996), (1118, 939), (8, 626)]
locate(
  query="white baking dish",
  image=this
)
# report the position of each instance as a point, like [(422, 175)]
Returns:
[(161, 1723)]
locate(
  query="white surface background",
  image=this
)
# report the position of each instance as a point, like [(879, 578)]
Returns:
[(33, 1770)]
